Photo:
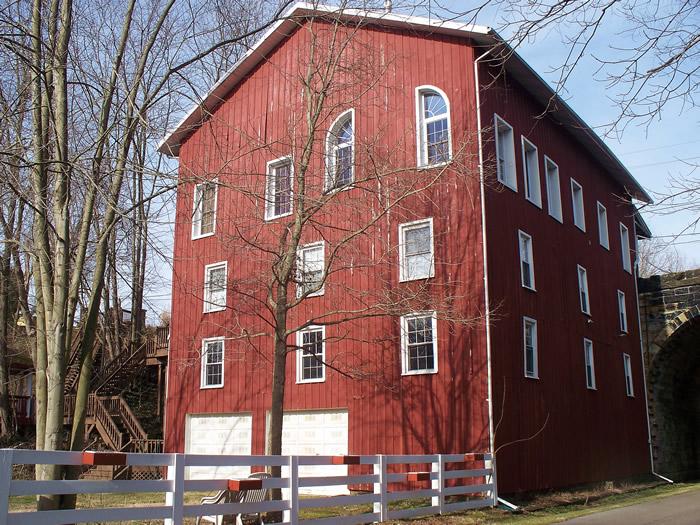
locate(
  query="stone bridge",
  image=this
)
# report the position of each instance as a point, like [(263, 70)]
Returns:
[(670, 321)]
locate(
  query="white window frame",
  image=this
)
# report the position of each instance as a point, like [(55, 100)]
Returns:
[(582, 276), (603, 232), (627, 366), (210, 306), (529, 321), (300, 354), (578, 204), (332, 146), (204, 359), (269, 204), (300, 269), (197, 205), (589, 362), (531, 172), (622, 310), (403, 263), (404, 344), (551, 177), (422, 127), (625, 247), (524, 236), (510, 177)]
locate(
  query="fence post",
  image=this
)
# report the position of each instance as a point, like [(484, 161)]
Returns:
[(176, 498), (439, 483), (492, 479), (5, 480), (381, 487), (292, 517)]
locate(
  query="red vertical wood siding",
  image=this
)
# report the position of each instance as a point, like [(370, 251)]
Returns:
[(590, 434), (388, 413)]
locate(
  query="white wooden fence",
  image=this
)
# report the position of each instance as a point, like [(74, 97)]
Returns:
[(452, 484)]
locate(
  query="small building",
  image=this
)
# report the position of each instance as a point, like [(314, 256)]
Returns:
[(523, 234)]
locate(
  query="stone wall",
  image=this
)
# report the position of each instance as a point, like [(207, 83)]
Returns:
[(670, 319)]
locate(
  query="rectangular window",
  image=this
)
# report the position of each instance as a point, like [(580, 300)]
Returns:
[(629, 386), (212, 363), (215, 287), (530, 347), (204, 209), (416, 260), (278, 188), (577, 203), (603, 236), (590, 367), (625, 245), (531, 169), (311, 355), (622, 308), (505, 153), (583, 290), (551, 171), (310, 267), (527, 269), (419, 343)]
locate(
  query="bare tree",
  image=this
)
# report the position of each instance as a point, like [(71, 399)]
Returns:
[(94, 96), (657, 256), (337, 188)]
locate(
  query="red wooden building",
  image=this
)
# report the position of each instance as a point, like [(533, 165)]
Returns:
[(522, 233)]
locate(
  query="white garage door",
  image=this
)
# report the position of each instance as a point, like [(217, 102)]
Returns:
[(317, 433), (218, 434)]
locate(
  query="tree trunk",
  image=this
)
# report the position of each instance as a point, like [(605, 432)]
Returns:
[(279, 372), (6, 427)]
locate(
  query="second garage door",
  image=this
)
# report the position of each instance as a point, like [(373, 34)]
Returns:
[(317, 433)]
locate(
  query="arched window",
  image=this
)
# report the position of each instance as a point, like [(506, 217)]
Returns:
[(340, 155), (434, 140)]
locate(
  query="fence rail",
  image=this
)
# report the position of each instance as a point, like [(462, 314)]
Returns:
[(451, 484)]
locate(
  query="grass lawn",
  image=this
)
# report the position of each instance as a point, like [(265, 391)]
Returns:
[(552, 508)]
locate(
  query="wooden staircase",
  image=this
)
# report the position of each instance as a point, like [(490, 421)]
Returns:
[(108, 413)]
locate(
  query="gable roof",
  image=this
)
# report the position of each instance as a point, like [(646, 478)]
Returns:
[(484, 36)]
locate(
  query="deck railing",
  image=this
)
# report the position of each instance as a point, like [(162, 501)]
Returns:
[(454, 482)]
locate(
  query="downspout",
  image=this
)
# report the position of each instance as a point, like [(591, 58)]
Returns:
[(487, 304), (641, 351)]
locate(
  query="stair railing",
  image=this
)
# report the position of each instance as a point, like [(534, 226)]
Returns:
[(118, 405), (102, 416), (111, 368)]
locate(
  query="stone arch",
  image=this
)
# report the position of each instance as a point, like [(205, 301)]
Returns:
[(674, 396)]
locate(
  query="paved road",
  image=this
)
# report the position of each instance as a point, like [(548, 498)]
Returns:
[(683, 509)]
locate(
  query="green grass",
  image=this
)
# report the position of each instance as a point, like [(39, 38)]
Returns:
[(539, 511)]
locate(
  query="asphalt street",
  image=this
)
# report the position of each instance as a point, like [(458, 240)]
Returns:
[(683, 509)]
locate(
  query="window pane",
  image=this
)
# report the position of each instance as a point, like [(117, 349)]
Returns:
[(417, 252), (312, 355), (417, 240), (420, 351), (280, 190), (214, 358), (434, 105), (344, 134), (215, 295), (343, 166), (312, 263), (438, 141)]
